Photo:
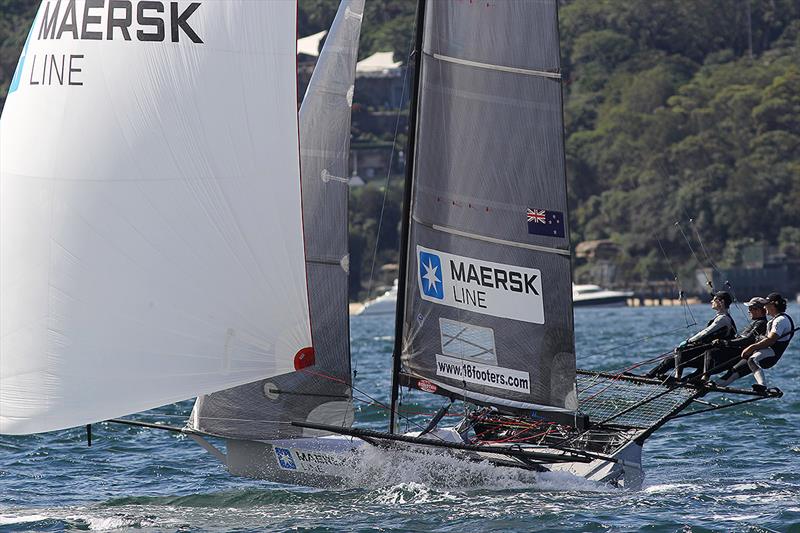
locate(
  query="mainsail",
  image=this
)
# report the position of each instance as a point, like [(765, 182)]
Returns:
[(150, 209), (321, 393), (488, 314)]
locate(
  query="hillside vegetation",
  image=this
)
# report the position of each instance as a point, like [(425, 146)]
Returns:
[(672, 114), (675, 110)]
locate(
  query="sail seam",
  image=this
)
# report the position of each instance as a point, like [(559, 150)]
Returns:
[(501, 68), (494, 240)]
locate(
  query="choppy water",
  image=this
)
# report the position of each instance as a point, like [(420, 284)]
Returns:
[(736, 470)]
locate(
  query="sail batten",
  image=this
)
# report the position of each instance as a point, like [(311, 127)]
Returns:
[(498, 67), (454, 231)]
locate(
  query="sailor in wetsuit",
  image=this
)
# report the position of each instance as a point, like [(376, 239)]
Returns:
[(768, 349), (690, 352), (724, 354)]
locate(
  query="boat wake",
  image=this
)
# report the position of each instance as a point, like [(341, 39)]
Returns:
[(376, 468), (80, 520), (403, 471)]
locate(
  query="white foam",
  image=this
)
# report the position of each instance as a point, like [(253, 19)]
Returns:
[(6, 520), (98, 523), (412, 493), (409, 475), (736, 518), (105, 523), (567, 482), (378, 468), (667, 487), (743, 486)]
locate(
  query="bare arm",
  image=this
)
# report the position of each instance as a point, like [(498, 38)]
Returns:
[(766, 342)]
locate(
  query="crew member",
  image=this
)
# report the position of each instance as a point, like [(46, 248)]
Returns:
[(724, 354), (765, 352), (690, 352)]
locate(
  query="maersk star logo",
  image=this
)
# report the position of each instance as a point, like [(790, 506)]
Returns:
[(285, 459), (430, 272)]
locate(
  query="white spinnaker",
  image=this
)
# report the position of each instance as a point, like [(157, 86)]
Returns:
[(150, 219)]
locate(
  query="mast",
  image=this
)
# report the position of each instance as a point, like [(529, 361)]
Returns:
[(406, 222)]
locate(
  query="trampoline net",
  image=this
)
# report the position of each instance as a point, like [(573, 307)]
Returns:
[(620, 401)]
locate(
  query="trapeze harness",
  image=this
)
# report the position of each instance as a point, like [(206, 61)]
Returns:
[(689, 356), (757, 328), (720, 331), (780, 345)]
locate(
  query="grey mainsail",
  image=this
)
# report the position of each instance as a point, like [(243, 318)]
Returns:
[(321, 392), (488, 311)]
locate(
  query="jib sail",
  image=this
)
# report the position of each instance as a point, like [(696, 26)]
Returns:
[(318, 393), (151, 243)]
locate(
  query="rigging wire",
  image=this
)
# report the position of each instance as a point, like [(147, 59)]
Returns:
[(681, 294), (645, 339), (619, 372), (702, 246), (687, 312), (389, 169), (387, 181), (691, 249), (372, 401), (716, 269)]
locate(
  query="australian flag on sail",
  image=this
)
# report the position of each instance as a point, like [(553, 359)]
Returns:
[(547, 223)]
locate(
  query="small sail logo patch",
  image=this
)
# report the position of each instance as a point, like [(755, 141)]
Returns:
[(430, 273), (546, 223), (427, 386), (285, 459)]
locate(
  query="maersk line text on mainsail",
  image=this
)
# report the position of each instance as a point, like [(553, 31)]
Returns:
[(493, 277)]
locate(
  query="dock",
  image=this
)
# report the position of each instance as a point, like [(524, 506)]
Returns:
[(661, 293)]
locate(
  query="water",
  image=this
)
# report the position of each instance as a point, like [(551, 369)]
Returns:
[(736, 470)]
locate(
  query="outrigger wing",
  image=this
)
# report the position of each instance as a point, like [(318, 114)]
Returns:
[(644, 403), (624, 408)]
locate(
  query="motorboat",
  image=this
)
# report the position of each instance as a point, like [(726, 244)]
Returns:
[(385, 304), (586, 295)]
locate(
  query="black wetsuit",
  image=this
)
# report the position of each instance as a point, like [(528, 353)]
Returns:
[(721, 326), (724, 357)]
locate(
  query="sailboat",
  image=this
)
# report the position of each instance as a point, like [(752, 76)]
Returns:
[(158, 242), (594, 295)]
